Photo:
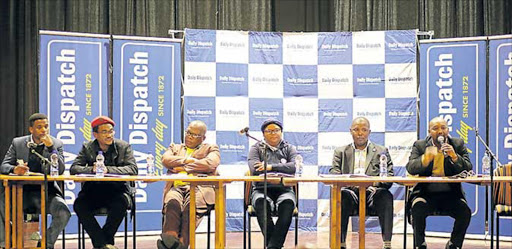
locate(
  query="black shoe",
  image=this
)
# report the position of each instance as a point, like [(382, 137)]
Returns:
[(450, 245), (423, 246)]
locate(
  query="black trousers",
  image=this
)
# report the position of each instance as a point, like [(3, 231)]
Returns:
[(283, 206), (379, 201), (426, 204), (116, 204)]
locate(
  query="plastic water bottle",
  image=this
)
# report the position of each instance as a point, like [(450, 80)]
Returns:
[(150, 161), (54, 168), (100, 164), (383, 166), (298, 165), (486, 164)]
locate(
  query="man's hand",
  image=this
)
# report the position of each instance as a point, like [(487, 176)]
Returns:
[(47, 140), (448, 149), (20, 169), (189, 160), (177, 170), (259, 166), (430, 153), (94, 168)]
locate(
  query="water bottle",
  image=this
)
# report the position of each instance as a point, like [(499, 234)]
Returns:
[(298, 165), (54, 168), (383, 166), (150, 160), (486, 164), (100, 164)]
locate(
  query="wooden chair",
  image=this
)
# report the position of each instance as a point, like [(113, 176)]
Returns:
[(502, 196)]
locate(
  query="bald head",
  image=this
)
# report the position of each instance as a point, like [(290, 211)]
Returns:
[(437, 120), (438, 127), (361, 120), (195, 134), (360, 130), (198, 124)]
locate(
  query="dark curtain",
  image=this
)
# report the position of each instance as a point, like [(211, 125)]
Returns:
[(447, 18), (20, 21)]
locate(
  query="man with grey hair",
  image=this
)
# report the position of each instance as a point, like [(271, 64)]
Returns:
[(363, 157), (193, 157)]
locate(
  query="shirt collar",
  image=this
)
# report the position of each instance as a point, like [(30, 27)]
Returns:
[(365, 148), (32, 140)]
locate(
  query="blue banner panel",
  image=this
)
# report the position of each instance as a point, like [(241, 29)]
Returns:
[(73, 80), (146, 109), (500, 107), (453, 86)]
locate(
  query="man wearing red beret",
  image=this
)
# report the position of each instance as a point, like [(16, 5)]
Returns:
[(115, 196)]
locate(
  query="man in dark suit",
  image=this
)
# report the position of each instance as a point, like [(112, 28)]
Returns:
[(115, 195), (363, 157), (431, 157), (19, 160)]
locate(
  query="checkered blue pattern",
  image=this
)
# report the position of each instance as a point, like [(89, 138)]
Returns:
[(316, 83)]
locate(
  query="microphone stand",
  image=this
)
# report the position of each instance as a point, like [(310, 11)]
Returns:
[(265, 211), (491, 174), (45, 163)]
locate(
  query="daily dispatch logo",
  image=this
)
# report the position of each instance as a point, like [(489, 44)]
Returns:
[(507, 143), (141, 108), (68, 106)]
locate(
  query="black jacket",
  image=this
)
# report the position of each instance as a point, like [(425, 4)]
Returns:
[(451, 168), (119, 160)]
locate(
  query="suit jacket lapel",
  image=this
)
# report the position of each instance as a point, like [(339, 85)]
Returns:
[(370, 152), (349, 158)]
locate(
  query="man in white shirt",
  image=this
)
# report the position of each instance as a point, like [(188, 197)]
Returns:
[(363, 157)]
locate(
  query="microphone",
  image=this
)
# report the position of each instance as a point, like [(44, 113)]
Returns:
[(243, 131), (31, 145), (440, 139)]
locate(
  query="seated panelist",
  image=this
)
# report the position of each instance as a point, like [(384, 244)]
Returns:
[(193, 157), (115, 195), (280, 198), (19, 160), (363, 157), (439, 155)]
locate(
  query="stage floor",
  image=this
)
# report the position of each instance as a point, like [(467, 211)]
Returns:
[(306, 240)]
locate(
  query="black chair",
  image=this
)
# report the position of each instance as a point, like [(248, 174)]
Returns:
[(408, 191), (502, 196), (251, 212), (208, 213), (104, 212)]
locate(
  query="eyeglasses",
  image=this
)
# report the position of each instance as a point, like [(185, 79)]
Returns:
[(276, 131), (193, 135), (109, 132)]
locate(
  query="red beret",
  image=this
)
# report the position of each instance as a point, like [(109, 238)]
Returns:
[(100, 120)]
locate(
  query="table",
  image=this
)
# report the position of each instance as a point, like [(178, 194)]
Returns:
[(220, 207), (363, 183), (217, 181)]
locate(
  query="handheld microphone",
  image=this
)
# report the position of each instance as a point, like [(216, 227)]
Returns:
[(31, 145), (243, 131), (440, 139)]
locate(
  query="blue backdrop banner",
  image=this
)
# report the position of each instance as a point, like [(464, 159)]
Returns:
[(315, 83), (146, 109), (73, 81), (500, 107), (453, 86)]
